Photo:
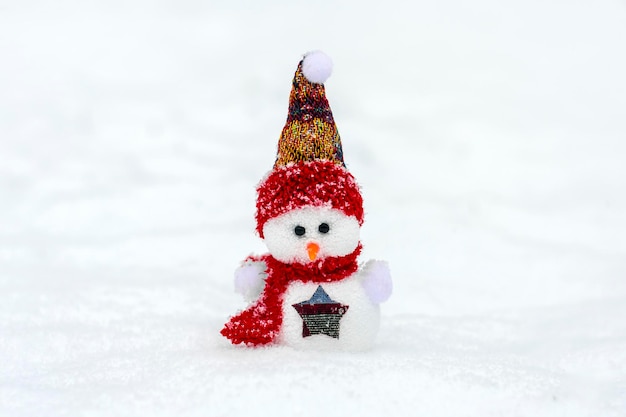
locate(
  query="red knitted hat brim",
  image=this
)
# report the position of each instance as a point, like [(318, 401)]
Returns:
[(318, 183)]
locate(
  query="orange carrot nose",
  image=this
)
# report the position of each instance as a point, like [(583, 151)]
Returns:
[(312, 248)]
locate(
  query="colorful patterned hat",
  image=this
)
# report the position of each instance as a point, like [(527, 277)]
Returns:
[(309, 169), (310, 132)]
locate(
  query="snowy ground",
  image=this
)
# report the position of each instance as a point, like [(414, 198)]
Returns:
[(488, 137)]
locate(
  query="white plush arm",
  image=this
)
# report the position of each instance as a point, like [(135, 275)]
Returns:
[(250, 279), (376, 280)]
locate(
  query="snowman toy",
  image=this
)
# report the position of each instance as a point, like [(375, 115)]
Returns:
[(308, 292)]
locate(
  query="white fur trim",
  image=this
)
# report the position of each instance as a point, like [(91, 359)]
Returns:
[(317, 67)]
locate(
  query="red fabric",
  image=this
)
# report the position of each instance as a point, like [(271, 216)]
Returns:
[(260, 323), (317, 183)]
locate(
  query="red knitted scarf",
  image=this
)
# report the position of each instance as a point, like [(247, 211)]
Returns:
[(260, 323)]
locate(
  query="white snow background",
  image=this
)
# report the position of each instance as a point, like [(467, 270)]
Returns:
[(488, 138)]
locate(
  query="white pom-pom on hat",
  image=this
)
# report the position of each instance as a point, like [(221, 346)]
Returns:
[(317, 67)]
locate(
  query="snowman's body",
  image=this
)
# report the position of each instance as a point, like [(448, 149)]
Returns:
[(358, 326)]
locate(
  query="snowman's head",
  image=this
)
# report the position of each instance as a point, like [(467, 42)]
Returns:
[(309, 207), (311, 233), (317, 203)]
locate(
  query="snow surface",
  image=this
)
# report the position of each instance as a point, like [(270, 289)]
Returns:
[(488, 137)]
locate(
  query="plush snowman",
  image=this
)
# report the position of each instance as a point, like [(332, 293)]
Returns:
[(308, 291)]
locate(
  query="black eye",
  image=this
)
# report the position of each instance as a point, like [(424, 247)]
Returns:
[(324, 228), (299, 230)]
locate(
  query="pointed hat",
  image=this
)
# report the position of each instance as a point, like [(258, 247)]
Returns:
[(309, 169), (310, 132)]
